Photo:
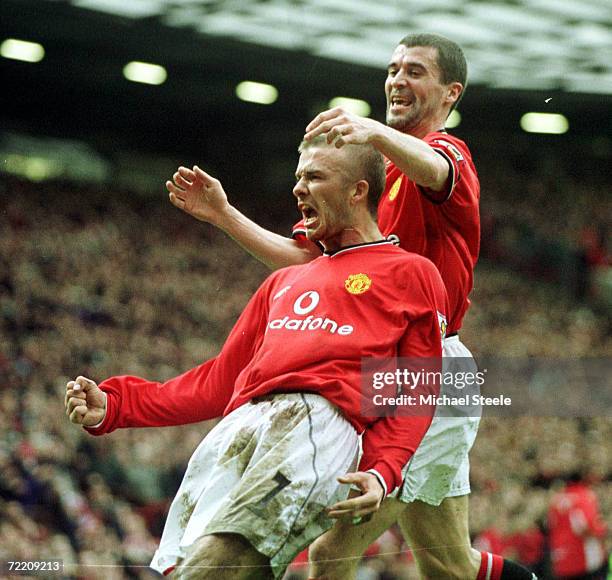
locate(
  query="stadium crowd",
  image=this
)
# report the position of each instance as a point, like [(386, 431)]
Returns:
[(101, 283), (548, 217)]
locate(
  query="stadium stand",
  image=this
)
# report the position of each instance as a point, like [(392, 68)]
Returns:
[(106, 282)]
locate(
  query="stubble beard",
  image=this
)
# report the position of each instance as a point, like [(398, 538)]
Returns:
[(401, 123)]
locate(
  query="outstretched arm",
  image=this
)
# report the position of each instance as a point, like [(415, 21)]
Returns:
[(413, 156), (128, 401), (199, 394), (199, 194)]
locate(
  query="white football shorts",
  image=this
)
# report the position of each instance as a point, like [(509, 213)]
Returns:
[(266, 471), (440, 467)]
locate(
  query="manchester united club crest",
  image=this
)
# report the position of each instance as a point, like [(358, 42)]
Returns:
[(395, 189), (357, 283)]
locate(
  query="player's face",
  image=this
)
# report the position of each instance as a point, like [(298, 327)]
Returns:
[(323, 191), (413, 88)]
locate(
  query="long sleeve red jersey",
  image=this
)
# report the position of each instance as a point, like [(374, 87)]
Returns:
[(308, 328)]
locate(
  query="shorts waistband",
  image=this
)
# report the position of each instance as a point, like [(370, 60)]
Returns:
[(291, 396), (452, 337)]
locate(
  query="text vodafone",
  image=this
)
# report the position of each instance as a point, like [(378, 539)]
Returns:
[(310, 324)]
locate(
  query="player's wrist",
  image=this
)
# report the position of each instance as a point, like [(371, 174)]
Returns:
[(226, 218), (378, 137), (99, 423), (381, 481)]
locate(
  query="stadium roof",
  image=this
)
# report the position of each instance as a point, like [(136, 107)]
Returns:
[(513, 44), (523, 55)]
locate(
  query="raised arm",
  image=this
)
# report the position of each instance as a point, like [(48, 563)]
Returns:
[(413, 156), (199, 194)]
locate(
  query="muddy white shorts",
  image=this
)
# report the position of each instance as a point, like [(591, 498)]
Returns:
[(267, 472), (440, 467)]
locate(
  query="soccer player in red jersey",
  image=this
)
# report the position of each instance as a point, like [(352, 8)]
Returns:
[(577, 533), (288, 383), (430, 207)]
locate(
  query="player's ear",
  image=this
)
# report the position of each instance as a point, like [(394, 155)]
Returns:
[(360, 195), (453, 92)]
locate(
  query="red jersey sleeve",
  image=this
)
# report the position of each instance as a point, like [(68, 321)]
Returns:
[(197, 395), (456, 158), (390, 442)]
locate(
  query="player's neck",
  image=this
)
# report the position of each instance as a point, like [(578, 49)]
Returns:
[(361, 233), (427, 126)]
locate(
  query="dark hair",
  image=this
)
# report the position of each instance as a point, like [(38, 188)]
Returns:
[(372, 167), (451, 60), (373, 164)]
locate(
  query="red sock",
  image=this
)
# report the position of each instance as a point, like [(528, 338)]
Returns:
[(491, 566)]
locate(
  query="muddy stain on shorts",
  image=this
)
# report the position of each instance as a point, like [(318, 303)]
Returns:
[(274, 449), (287, 505), (288, 416), (272, 454), (188, 506), (292, 504), (242, 447)]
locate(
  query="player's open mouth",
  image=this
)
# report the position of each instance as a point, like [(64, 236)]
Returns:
[(399, 102), (309, 214)]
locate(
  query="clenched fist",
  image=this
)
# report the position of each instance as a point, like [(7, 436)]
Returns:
[(85, 402)]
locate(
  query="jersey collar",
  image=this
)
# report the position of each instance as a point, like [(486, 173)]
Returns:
[(357, 247)]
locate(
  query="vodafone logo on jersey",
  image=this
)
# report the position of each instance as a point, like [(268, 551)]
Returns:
[(304, 305)]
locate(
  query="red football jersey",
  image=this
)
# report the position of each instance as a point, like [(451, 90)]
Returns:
[(307, 328), (529, 545), (442, 226), (576, 531)]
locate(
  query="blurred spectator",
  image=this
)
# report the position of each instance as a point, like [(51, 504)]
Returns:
[(577, 532), (546, 220)]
